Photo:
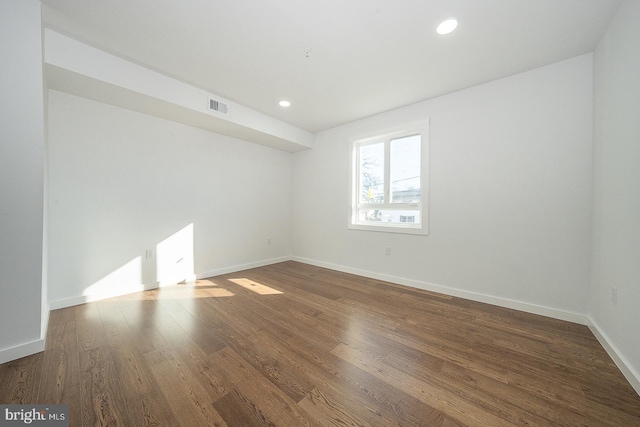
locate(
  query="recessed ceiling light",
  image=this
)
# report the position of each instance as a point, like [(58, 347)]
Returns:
[(284, 103), (447, 26)]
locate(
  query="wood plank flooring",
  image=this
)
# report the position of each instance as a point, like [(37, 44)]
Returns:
[(297, 345)]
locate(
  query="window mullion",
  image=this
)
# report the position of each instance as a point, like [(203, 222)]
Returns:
[(387, 171)]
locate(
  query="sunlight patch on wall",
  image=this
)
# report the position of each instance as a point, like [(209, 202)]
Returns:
[(254, 286), (125, 279), (174, 257)]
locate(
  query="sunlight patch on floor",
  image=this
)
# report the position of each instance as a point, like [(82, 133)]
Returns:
[(254, 286)]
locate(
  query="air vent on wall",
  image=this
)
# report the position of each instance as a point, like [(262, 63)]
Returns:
[(218, 106)]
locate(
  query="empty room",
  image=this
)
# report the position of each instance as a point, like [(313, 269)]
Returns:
[(337, 213)]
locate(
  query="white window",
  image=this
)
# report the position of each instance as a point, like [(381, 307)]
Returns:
[(389, 181)]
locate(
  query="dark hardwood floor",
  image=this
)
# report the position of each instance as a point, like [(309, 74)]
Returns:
[(296, 345)]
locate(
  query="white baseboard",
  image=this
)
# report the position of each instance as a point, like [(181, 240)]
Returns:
[(629, 373), (22, 350), (82, 299), (240, 267), (474, 296), (171, 282), (33, 347)]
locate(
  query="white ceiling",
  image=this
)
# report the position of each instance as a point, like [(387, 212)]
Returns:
[(365, 56)]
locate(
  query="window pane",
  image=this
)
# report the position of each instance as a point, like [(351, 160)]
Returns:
[(371, 179), (388, 217), (405, 169)]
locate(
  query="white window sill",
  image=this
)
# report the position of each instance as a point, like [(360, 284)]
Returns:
[(423, 231)]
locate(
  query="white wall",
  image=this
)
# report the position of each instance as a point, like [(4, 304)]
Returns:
[(21, 178), (616, 207), (122, 182), (510, 195)]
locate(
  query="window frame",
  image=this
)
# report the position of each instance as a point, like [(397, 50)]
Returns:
[(355, 206)]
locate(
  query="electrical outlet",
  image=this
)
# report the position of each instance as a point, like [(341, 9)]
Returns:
[(149, 254), (614, 295), (387, 251)]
